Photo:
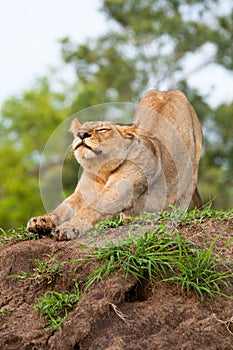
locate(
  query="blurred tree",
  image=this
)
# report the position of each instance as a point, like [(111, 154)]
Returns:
[(27, 121), (217, 165)]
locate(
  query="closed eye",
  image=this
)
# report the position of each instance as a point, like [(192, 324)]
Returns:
[(103, 129)]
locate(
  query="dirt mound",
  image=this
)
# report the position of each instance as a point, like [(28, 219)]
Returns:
[(116, 313)]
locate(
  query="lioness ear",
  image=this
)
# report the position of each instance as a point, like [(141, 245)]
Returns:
[(127, 131), (75, 125)]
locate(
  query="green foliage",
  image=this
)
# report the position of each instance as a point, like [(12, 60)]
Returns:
[(27, 121), (201, 270), (186, 27), (170, 257), (153, 252), (176, 216), (54, 307), (115, 222), (20, 234)]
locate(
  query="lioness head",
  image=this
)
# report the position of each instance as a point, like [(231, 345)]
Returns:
[(98, 143)]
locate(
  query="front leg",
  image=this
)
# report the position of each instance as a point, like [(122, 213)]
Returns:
[(44, 224), (120, 193)]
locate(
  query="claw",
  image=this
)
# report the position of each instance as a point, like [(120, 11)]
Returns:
[(65, 233), (76, 231)]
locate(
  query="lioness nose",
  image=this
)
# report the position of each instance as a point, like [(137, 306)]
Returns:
[(83, 134)]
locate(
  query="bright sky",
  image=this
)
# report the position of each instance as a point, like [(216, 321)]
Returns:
[(29, 34)]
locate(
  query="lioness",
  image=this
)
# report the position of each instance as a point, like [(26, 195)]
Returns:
[(127, 169)]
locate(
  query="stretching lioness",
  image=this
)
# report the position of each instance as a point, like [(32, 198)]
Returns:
[(127, 169)]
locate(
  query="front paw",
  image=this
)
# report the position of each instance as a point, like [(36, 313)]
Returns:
[(42, 225), (65, 232)]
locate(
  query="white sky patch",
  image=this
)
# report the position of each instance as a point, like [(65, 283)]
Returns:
[(214, 81), (29, 34)]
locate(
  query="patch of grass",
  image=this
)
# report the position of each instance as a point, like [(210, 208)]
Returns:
[(45, 271), (54, 307), (114, 222), (167, 256), (20, 234), (146, 218), (103, 225), (135, 256), (177, 216), (202, 270), (198, 216)]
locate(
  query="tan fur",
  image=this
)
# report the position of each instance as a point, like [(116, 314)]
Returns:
[(146, 166)]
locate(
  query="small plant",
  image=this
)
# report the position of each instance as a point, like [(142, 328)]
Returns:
[(115, 222), (54, 307), (22, 277), (47, 271), (3, 312)]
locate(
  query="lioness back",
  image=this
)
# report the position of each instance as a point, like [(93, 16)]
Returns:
[(172, 120), (177, 110)]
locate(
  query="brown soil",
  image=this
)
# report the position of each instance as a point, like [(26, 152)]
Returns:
[(117, 313)]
